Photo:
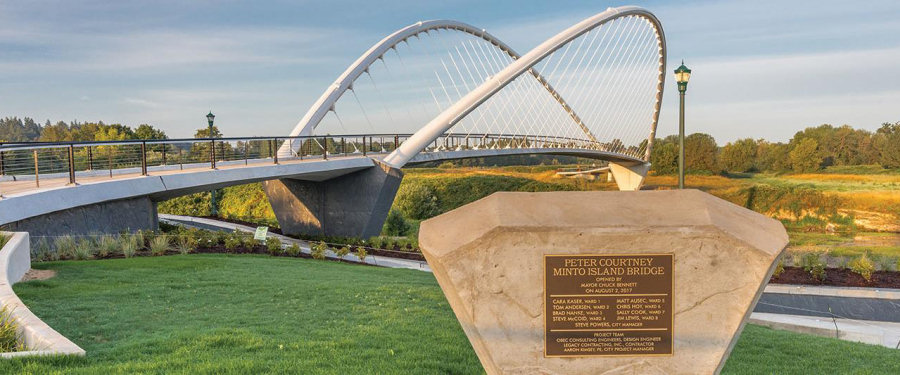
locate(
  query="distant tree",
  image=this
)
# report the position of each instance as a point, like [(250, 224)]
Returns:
[(664, 157), (204, 132), (805, 156), (739, 156), (417, 202), (773, 157), (145, 131), (58, 132), (887, 144), (701, 153)]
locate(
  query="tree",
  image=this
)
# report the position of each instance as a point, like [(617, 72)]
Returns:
[(664, 157), (145, 131), (417, 202), (204, 132), (739, 156), (886, 142), (395, 225), (701, 153), (805, 156)]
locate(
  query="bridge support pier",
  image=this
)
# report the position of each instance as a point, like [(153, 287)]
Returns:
[(352, 205), (629, 176), (124, 215)]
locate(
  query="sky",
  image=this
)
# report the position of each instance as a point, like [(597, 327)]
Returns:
[(761, 69)]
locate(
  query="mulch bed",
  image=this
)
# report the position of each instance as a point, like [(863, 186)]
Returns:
[(838, 277)]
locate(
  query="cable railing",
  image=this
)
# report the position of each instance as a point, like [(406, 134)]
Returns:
[(29, 165)]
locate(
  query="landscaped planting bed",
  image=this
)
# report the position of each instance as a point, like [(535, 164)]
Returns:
[(251, 314)]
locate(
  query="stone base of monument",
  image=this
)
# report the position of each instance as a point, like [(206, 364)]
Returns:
[(649, 282)]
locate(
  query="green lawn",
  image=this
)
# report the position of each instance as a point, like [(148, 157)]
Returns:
[(213, 314)]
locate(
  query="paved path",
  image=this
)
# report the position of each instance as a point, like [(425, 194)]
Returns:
[(304, 246)]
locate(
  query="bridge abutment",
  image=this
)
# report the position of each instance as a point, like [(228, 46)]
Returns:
[(124, 215), (352, 205), (629, 176)]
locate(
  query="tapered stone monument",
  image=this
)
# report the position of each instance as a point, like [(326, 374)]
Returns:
[(648, 282)]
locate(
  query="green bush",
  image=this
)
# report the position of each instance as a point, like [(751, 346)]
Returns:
[(342, 252), (10, 339), (43, 252), (395, 224), (887, 263), (417, 201), (108, 245), (812, 263), (159, 245), (863, 266), (232, 242), (317, 250), (130, 244), (273, 244), (361, 254), (65, 246), (187, 244), (293, 250), (85, 249), (779, 269)]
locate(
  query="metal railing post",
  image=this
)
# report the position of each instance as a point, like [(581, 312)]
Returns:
[(396, 141), (274, 152), (343, 147), (71, 164), (2, 167), (143, 158), (364, 145), (109, 160), (37, 179), (325, 148), (164, 154), (212, 154), (246, 151), (90, 158), (180, 159)]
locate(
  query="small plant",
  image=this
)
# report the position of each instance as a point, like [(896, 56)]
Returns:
[(361, 254), (248, 241), (42, 251), (863, 266), (187, 244), (342, 252), (65, 246), (886, 263), (779, 269), (273, 244), (10, 339), (812, 263), (232, 242), (293, 250), (130, 244), (84, 249), (108, 245), (317, 251), (159, 245)]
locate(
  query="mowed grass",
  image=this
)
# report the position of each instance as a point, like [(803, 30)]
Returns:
[(244, 314)]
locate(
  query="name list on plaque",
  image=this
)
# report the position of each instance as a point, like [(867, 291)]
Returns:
[(608, 305)]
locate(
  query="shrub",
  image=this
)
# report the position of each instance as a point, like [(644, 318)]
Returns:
[(130, 245), (293, 250), (187, 244), (108, 245), (417, 202), (273, 244), (375, 242), (84, 249), (317, 251), (159, 245), (812, 263), (779, 269), (395, 224), (42, 251), (232, 242), (342, 252), (887, 263), (10, 339), (65, 246), (361, 254), (147, 236), (248, 241), (863, 266)]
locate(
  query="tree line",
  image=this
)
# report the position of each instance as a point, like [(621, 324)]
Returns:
[(810, 149)]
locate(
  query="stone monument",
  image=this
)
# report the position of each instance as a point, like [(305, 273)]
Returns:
[(649, 282)]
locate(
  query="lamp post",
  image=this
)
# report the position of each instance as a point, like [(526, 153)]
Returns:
[(682, 75), (214, 211)]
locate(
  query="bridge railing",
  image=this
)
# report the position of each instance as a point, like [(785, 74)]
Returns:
[(29, 165)]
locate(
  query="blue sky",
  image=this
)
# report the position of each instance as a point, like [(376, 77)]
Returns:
[(761, 68)]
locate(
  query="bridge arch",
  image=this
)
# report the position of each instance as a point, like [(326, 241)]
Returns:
[(468, 103)]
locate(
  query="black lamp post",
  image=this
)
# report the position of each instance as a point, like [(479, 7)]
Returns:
[(682, 75), (214, 211)]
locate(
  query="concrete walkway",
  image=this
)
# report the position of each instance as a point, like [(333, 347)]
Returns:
[(870, 332), (375, 260)]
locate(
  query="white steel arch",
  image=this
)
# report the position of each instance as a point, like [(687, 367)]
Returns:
[(468, 103), (344, 82)]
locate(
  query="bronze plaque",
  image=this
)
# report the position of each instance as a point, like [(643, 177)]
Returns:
[(608, 305)]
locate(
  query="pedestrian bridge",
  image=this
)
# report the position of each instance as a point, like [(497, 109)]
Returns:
[(592, 91)]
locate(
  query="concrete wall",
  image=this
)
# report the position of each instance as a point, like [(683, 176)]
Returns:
[(39, 338), (355, 204), (105, 217)]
